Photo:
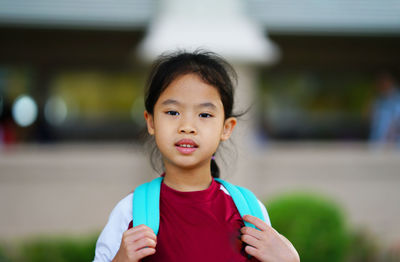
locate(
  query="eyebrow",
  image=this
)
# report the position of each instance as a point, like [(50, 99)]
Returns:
[(201, 105), (170, 102), (209, 105)]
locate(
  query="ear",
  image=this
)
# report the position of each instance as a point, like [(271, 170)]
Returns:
[(229, 125), (149, 122)]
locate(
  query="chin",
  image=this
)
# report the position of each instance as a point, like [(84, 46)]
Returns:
[(187, 163)]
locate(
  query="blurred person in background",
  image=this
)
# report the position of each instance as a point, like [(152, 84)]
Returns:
[(385, 122)]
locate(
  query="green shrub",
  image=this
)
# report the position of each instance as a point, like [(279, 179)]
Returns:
[(315, 225), (58, 249), (3, 255), (364, 247)]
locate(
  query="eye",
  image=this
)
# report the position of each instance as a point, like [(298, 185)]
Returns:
[(205, 115), (172, 113)]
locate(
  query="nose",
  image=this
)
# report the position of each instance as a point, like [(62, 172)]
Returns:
[(187, 127), (187, 130)]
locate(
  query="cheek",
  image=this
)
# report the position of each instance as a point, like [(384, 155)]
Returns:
[(214, 132), (161, 124), (162, 132), (162, 142)]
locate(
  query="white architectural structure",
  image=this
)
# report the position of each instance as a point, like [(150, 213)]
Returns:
[(219, 26)]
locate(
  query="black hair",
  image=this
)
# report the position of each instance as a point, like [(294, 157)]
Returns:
[(209, 66)]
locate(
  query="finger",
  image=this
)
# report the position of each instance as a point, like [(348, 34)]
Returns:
[(133, 246), (140, 228), (252, 241), (144, 243), (137, 230), (252, 251), (256, 221), (252, 232), (144, 252), (140, 235)]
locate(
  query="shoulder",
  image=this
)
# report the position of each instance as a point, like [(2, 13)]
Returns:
[(121, 215), (123, 209), (110, 238), (263, 208)]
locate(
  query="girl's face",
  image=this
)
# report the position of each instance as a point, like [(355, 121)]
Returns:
[(188, 122)]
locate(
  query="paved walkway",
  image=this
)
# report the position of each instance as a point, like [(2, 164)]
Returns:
[(72, 188)]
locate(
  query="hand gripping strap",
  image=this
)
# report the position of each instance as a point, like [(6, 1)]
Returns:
[(146, 204), (246, 202)]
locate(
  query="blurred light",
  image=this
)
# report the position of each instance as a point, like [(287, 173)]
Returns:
[(24, 110), (55, 110)]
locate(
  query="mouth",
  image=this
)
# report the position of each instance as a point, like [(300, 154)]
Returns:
[(186, 146)]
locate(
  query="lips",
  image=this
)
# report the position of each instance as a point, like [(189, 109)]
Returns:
[(186, 146)]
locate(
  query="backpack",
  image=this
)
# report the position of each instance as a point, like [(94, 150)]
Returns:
[(146, 203)]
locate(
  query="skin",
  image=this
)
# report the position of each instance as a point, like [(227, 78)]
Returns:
[(267, 244), (192, 109)]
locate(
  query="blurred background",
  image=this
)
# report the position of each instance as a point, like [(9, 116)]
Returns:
[(320, 145)]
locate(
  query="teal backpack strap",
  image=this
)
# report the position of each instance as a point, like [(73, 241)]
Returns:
[(246, 202), (146, 204), (254, 204)]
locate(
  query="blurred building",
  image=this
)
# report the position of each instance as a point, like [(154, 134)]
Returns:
[(73, 66)]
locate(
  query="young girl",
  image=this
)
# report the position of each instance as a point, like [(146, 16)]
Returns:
[(189, 104)]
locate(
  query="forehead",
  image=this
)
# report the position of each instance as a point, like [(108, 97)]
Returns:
[(191, 89)]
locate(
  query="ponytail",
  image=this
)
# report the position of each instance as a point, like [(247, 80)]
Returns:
[(214, 168)]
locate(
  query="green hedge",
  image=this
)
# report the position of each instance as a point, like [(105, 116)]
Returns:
[(364, 247), (53, 249), (315, 225), (3, 255)]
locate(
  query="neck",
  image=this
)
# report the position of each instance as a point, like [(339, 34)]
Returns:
[(187, 179)]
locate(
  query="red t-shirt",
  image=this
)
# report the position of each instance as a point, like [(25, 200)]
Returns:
[(198, 226)]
